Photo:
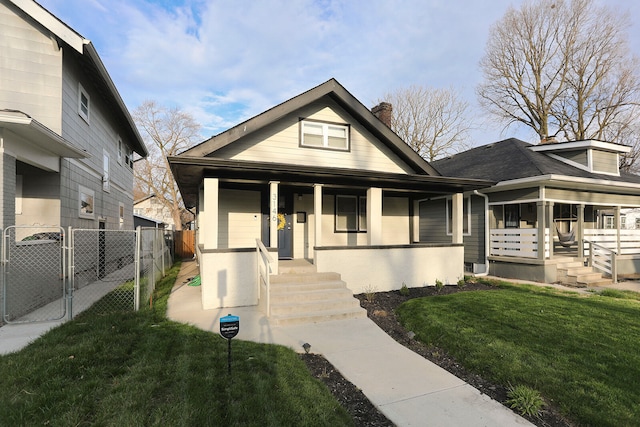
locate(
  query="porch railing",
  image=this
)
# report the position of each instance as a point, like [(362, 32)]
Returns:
[(608, 238), (517, 242), (602, 259), (265, 268)]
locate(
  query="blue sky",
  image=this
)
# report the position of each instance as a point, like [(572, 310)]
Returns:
[(225, 61)]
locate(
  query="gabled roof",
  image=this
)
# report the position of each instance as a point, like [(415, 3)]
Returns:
[(513, 159), (334, 90), (91, 64)]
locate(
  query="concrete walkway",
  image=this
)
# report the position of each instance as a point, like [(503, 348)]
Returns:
[(405, 387)]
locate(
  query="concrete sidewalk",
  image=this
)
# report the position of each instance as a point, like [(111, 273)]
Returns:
[(405, 387)]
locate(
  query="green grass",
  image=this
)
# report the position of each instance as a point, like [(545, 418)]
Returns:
[(138, 368), (581, 352)]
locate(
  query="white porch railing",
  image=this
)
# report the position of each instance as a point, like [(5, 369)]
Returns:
[(608, 238), (517, 242), (602, 259), (265, 268)]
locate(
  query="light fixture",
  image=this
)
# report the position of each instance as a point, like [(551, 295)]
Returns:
[(306, 347)]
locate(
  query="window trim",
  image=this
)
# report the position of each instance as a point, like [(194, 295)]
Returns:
[(85, 116), (325, 135), (121, 214), (359, 219), (106, 171), (467, 220), (89, 194), (120, 144)]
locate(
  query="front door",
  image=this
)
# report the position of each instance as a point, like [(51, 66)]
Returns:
[(285, 226)]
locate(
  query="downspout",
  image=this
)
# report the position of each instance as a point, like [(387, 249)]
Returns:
[(486, 233)]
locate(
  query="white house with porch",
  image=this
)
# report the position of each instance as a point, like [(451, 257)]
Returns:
[(321, 183)]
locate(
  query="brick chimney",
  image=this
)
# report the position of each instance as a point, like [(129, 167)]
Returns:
[(383, 112)]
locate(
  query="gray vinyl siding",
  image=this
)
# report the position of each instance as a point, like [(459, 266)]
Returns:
[(99, 135), (604, 161), (280, 143), (432, 224), (578, 156), (30, 69), (474, 247), (512, 196)]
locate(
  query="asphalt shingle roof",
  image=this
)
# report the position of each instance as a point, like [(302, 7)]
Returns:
[(512, 159)]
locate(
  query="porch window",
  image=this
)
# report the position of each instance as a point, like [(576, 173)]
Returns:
[(511, 216), (324, 135), (466, 216), (609, 222), (351, 213)]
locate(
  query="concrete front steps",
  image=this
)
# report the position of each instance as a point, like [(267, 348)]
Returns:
[(301, 295), (573, 272)]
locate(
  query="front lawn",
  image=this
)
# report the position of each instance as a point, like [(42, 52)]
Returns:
[(125, 368), (581, 352)]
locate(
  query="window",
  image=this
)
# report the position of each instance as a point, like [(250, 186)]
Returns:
[(128, 159), (85, 202), (119, 151), (121, 212), (466, 217), (623, 222), (637, 223), (324, 135), (511, 216), (105, 172), (351, 213), (83, 103), (609, 222)]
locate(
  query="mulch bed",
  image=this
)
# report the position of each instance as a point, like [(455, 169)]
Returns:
[(382, 311)]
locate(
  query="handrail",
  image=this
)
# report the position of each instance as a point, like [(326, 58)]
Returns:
[(264, 269), (603, 259)]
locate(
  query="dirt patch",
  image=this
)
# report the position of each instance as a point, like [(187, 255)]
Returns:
[(382, 311)]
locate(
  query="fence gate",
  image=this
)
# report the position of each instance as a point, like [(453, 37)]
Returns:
[(34, 260), (103, 262)]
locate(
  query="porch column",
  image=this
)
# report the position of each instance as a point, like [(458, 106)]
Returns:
[(415, 235), (317, 214), (541, 227), (209, 223), (617, 214), (374, 216), (550, 226), (273, 214), (457, 218), (580, 231)]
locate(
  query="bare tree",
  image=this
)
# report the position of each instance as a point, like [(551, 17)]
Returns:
[(432, 121), (561, 67), (167, 132)]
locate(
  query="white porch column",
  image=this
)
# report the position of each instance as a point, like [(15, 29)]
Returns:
[(580, 230), (416, 222), (317, 214), (457, 213), (617, 214), (209, 221), (551, 225), (273, 214), (374, 216), (541, 213)]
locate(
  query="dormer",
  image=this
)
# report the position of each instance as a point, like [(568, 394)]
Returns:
[(590, 155)]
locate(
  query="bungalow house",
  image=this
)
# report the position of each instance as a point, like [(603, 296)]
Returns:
[(67, 137), (317, 180), (556, 207)]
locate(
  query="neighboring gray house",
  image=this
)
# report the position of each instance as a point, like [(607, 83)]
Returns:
[(318, 178), (67, 137), (553, 206)]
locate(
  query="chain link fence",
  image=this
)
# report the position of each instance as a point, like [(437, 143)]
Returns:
[(47, 274)]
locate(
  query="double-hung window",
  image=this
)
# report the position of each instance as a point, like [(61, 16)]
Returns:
[(83, 103), (351, 213), (330, 136)]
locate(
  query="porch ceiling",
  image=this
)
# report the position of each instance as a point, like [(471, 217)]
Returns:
[(190, 171)]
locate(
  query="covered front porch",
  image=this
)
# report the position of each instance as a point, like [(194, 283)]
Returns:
[(535, 239)]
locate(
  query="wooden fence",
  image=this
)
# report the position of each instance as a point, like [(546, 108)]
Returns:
[(184, 243)]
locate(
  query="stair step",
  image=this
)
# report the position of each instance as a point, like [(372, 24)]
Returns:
[(313, 306), (307, 286), (283, 296), (303, 277), (321, 316)]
